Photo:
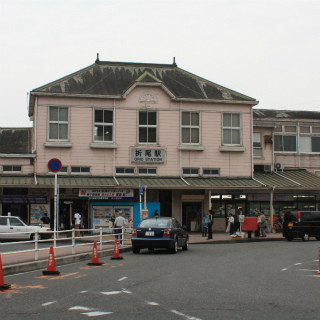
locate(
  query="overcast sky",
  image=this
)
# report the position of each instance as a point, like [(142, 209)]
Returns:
[(266, 49)]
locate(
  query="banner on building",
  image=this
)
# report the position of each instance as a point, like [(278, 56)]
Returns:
[(111, 194)]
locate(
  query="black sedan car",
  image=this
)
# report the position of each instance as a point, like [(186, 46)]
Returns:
[(159, 232)]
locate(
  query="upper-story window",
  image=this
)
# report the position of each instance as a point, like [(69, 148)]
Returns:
[(58, 123), (148, 127), (231, 129), (103, 125), (11, 169), (190, 172), (284, 139), (147, 171), (80, 170), (190, 127), (257, 145), (309, 140)]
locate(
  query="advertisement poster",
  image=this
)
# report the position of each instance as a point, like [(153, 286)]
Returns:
[(37, 212), (103, 217)]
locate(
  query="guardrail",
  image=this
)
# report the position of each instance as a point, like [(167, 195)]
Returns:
[(103, 237)]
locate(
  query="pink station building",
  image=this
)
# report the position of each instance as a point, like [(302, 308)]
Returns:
[(134, 136)]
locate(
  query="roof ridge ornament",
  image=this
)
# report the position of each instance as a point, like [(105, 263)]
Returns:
[(174, 62), (97, 60)]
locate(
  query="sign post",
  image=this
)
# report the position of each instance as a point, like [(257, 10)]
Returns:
[(55, 165), (140, 193)]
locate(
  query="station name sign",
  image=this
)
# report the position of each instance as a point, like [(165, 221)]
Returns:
[(111, 194), (148, 155)]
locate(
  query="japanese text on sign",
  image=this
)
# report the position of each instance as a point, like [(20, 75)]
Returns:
[(115, 194), (148, 155)]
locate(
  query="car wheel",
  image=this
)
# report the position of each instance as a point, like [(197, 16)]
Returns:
[(151, 249), (175, 246), (305, 237), (318, 238), (186, 245), (135, 250), (289, 238)]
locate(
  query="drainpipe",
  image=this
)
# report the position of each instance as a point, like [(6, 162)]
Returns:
[(114, 139), (180, 153), (35, 141)]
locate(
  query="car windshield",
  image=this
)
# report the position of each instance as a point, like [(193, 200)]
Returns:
[(155, 223)]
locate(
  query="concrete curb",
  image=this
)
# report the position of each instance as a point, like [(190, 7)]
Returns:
[(42, 264), (239, 240)]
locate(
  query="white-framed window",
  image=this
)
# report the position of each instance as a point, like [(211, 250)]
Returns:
[(284, 139), (58, 123), (11, 169), (124, 170), (257, 145), (190, 172), (103, 125), (231, 129), (285, 143), (148, 127), (309, 140), (80, 170), (190, 127), (210, 172), (147, 171)]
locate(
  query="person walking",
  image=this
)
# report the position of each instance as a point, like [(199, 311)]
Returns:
[(262, 224), (119, 223), (77, 222), (210, 223)]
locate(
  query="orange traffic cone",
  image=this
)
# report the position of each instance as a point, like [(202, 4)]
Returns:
[(95, 256), (116, 253), (3, 286), (51, 269)]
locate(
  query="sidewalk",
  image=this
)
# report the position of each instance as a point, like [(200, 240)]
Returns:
[(24, 261)]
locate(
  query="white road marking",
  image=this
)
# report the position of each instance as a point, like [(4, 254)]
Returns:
[(83, 291), (126, 291), (96, 313), (296, 264), (184, 315), (80, 308), (307, 270), (152, 303), (48, 303), (123, 278), (111, 292), (285, 269)]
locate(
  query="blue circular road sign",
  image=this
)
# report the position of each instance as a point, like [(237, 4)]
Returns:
[(54, 165)]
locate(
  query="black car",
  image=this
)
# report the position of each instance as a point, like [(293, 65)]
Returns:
[(159, 232), (301, 224)]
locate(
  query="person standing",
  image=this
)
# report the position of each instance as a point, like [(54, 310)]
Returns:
[(230, 227), (77, 222), (262, 224), (156, 213), (119, 223), (210, 223), (205, 224)]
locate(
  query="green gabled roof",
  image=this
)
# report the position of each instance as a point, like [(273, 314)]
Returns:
[(223, 182), (105, 78), (159, 182)]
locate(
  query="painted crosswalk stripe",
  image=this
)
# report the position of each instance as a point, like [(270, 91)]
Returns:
[(109, 293), (48, 303), (96, 313), (80, 308)]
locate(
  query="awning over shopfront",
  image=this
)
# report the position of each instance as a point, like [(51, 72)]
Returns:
[(290, 179), (286, 180)]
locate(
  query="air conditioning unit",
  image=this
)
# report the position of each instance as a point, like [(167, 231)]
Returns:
[(267, 168), (279, 166)]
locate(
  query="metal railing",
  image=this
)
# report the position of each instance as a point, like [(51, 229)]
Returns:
[(104, 237)]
